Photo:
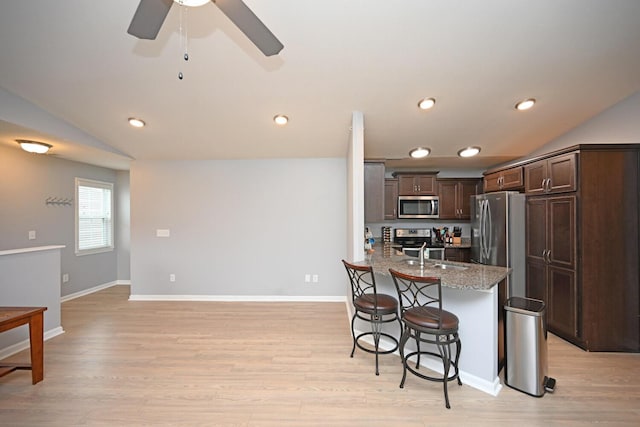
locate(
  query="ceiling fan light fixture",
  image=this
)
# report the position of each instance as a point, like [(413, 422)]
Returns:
[(33, 146), (469, 151), (420, 152), (281, 119), (426, 103), (526, 104), (136, 123), (192, 3)]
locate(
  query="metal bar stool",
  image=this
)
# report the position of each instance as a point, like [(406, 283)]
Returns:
[(372, 307), (426, 322)]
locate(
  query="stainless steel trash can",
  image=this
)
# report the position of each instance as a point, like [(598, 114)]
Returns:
[(526, 346)]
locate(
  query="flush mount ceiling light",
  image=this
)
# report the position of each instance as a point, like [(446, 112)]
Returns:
[(420, 152), (526, 104), (469, 151), (33, 146), (426, 103), (191, 3), (281, 120), (136, 123)]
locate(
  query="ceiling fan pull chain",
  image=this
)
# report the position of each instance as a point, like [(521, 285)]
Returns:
[(183, 37), (186, 33)]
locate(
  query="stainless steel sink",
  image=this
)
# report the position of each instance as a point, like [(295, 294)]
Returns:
[(438, 265), (449, 267)]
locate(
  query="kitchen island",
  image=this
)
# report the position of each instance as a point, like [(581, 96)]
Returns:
[(468, 290)]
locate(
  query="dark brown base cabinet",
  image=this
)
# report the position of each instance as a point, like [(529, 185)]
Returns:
[(457, 254), (583, 249)]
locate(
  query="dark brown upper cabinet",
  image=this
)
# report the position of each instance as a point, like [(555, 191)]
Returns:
[(507, 179), (455, 197), (553, 175), (417, 184)]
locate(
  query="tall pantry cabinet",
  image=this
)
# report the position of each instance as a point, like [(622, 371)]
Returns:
[(583, 243)]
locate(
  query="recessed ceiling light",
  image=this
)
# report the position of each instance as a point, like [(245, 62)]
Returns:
[(426, 103), (420, 152), (281, 119), (191, 3), (526, 104), (33, 146), (469, 151), (136, 123)]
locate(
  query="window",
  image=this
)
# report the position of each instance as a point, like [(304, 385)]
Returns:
[(94, 216)]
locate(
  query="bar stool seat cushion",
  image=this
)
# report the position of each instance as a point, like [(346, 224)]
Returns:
[(367, 303), (428, 318)]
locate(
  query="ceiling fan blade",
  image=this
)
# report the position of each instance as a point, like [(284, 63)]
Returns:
[(240, 14), (148, 18)]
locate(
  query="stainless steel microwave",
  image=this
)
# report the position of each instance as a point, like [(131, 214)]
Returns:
[(418, 207)]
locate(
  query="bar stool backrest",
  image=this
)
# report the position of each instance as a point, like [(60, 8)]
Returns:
[(362, 280), (418, 291)]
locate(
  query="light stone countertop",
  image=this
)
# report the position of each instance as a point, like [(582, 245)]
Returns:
[(474, 276)]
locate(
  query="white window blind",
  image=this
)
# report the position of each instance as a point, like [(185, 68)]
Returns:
[(94, 216)]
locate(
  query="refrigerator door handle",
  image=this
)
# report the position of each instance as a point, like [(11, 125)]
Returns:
[(489, 231), (481, 208)]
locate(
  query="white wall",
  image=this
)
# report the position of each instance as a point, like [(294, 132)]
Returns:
[(30, 279), (123, 226), (618, 124), (355, 189), (246, 228), (27, 181)]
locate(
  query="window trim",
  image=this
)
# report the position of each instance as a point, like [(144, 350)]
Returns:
[(83, 182)]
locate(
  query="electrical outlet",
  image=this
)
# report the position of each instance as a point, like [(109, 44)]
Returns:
[(65, 277), (32, 235), (307, 278), (315, 278), (172, 277)]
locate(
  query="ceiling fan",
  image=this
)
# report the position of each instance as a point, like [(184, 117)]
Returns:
[(151, 14)]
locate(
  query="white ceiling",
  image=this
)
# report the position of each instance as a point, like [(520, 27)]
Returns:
[(74, 59)]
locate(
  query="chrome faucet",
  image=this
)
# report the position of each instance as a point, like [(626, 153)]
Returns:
[(424, 245)]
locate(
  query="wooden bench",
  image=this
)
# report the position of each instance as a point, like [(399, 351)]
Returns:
[(12, 317)]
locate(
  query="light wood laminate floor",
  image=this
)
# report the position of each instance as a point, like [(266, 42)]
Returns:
[(130, 363)]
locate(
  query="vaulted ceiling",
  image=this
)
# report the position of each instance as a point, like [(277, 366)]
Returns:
[(75, 60)]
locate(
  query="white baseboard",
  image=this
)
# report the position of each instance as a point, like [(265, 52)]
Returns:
[(490, 387), (238, 298), (22, 345), (94, 289)]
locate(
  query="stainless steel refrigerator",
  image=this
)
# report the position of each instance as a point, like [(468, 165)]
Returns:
[(498, 235)]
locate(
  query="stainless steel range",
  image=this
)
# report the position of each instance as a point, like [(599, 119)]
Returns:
[(412, 239)]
